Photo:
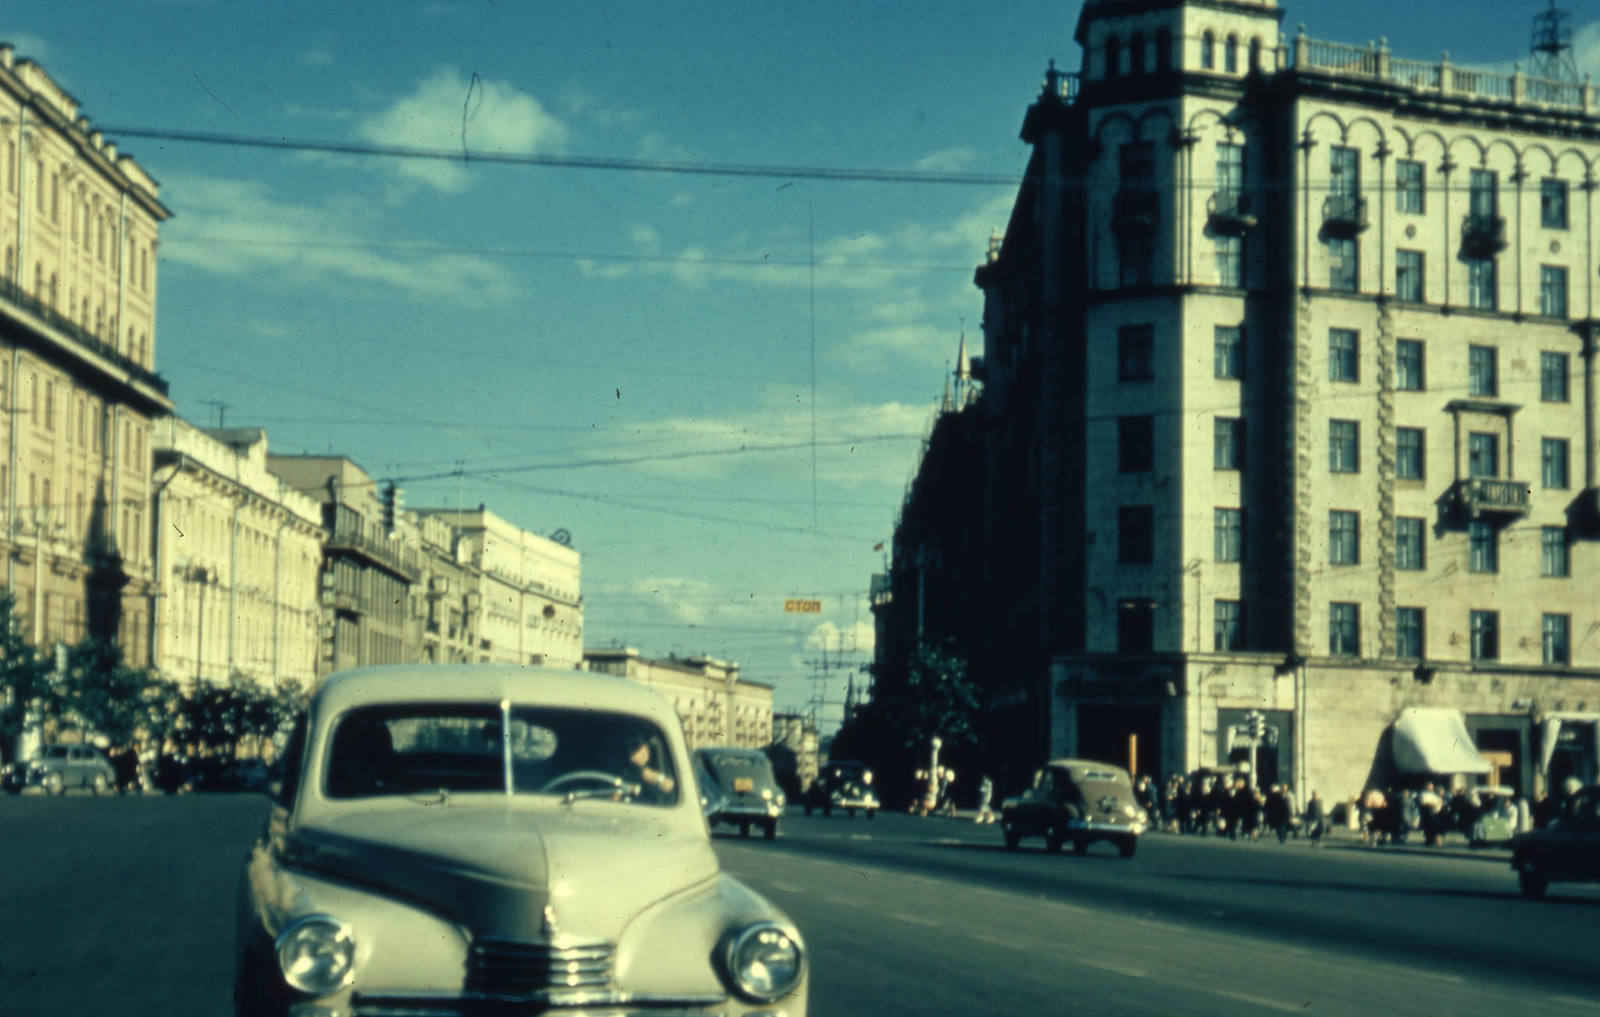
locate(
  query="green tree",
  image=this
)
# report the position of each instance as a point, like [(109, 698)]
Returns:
[(25, 679), (101, 695)]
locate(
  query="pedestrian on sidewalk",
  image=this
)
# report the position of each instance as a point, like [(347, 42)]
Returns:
[(1316, 819), (985, 800)]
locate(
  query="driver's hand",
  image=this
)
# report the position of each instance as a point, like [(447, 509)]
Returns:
[(664, 783)]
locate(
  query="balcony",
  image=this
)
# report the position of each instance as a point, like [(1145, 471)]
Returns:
[(1136, 210), (82, 337), (1344, 215), (1483, 236), (1584, 513), (1231, 213), (1490, 499), (350, 537)]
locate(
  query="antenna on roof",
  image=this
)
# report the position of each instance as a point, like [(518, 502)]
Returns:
[(1551, 47)]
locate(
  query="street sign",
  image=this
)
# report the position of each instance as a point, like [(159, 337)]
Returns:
[(803, 606)]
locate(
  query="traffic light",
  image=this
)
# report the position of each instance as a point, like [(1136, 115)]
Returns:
[(1258, 725), (389, 505)]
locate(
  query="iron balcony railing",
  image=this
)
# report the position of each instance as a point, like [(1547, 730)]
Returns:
[(12, 293), (1231, 211), (1487, 496), (1136, 209), (1344, 214), (1483, 235)]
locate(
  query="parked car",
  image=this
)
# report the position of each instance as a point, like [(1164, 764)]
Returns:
[(60, 768), (746, 793), (1566, 851), (843, 784), (498, 840), (1076, 800)]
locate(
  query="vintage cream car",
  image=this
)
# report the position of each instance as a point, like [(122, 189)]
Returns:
[(465, 840)]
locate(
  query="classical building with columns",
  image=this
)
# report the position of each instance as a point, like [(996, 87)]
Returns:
[(78, 234), (238, 552), (1289, 408)]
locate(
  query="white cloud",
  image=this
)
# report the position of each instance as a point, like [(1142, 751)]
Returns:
[(949, 160), (239, 227), (317, 58), (858, 637), (454, 112), (1586, 49)]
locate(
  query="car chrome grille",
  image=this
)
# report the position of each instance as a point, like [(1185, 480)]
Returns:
[(505, 967)]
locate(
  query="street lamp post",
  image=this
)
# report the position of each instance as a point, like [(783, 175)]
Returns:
[(933, 776)]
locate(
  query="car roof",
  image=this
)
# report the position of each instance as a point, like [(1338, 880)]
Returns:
[(1100, 764), (545, 686)]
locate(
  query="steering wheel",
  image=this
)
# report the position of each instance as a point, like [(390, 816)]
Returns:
[(578, 776)]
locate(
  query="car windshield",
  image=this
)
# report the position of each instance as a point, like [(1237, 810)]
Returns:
[(726, 764), (461, 747), (56, 752)]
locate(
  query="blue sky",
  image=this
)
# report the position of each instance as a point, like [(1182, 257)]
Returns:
[(718, 384)]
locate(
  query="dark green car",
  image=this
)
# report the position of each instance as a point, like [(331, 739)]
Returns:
[(1566, 851)]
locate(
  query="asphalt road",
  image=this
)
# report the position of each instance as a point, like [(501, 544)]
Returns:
[(125, 906)]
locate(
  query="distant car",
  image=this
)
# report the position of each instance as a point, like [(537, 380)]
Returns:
[(1078, 801), (61, 768), (498, 840), (745, 791), (1566, 851), (843, 784)]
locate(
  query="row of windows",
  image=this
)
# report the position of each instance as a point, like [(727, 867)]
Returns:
[(95, 229), (1136, 362), (1483, 289), (1136, 541), (1344, 632), (1136, 450), (101, 325)]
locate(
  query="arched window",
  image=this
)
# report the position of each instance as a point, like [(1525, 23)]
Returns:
[(1113, 56), (1208, 52), (1230, 55), (1163, 50), (1136, 53), (1255, 56)]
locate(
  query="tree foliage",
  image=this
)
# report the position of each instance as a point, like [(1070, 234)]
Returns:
[(24, 676)]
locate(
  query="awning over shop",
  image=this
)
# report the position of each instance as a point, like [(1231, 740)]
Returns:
[(1435, 740)]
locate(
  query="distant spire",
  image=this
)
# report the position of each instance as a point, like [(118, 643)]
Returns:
[(963, 370)]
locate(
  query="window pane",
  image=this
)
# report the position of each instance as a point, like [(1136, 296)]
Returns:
[(1343, 345), (1228, 625), (1408, 186), (1483, 455), (1554, 559), (1552, 291), (1408, 461), (1553, 204), (1485, 635), (1555, 630), (1408, 276), (1228, 443), (1553, 377), (1408, 365), (1553, 462), (1228, 358), (1344, 538), (1344, 630), (1483, 543), (1343, 446), (1483, 376), (1228, 534), (1408, 632), (1409, 553)]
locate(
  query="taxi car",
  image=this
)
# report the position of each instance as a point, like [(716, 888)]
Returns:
[(466, 840), (843, 784), (745, 791), (1568, 850), (1078, 801)]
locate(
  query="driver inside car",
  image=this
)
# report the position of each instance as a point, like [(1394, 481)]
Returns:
[(654, 786)]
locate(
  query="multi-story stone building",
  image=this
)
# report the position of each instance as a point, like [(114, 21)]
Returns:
[(717, 707), (78, 232), (531, 608), (238, 554), (447, 600), (370, 564), (1290, 407)]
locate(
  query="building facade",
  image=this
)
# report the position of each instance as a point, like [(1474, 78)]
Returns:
[(717, 707), (239, 555), (78, 236), (1289, 407), (531, 609), (370, 565)]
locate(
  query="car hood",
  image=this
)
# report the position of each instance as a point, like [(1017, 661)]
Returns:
[(504, 870)]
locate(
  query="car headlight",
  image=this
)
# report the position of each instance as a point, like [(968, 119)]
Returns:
[(779, 800), (317, 954), (764, 962), (866, 778)]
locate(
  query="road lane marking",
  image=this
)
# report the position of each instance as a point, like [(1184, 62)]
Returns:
[(1118, 969), (929, 923), (785, 888), (1245, 997)]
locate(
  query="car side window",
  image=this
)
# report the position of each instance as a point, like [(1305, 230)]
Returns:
[(292, 759)]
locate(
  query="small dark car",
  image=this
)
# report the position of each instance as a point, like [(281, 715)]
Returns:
[(60, 767), (1076, 800), (742, 790), (1566, 851), (843, 784)]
